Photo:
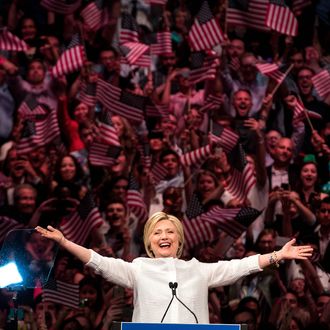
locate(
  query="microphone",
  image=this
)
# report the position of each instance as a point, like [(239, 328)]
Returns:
[(170, 303), (173, 287)]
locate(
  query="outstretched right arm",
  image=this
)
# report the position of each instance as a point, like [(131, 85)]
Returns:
[(78, 251)]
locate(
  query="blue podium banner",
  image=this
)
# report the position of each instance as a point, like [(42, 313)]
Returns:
[(175, 326)]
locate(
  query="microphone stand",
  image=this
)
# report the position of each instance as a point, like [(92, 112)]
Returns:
[(173, 287), (168, 306)]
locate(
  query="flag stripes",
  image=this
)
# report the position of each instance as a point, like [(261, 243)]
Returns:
[(224, 137), (135, 201), (212, 102), (281, 19), (6, 225), (321, 83), (38, 133), (10, 42), (163, 44), (102, 154), (271, 70), (195, 156), (205, 33), (126, 104), (70, 60), (60, 292), (132, 51), (204, 228), (254, 17), (63, 7), (77, 226)]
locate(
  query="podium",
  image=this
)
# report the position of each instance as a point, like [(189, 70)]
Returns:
[(175, 326)]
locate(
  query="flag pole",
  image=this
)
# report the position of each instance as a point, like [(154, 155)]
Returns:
[(225, 28), (83, 43), (306, 114), (279, 83), (189, 101)]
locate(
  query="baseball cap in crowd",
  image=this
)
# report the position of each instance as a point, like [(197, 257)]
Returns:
[(310, 158)]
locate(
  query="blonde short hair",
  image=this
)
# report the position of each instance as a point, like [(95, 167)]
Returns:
[(150, 226)]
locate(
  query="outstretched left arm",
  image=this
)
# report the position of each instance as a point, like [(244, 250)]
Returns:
[(288, 251)]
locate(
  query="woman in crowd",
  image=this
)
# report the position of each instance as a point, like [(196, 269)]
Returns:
[(69, 174), (80, 113), (307, 186), (153, 279)]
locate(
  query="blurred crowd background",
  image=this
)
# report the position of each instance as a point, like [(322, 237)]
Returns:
[(214, 111)]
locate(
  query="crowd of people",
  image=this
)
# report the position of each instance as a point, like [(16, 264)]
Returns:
[(233, 141)]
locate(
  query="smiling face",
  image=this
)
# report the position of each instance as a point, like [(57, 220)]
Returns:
[(67, 169), (36, 73), (164, 239), (80, 112), (305, 83), (118, 125), (283, 151), (171, 164), (28, 29), (242, 103), (206, 185), (308, 175)]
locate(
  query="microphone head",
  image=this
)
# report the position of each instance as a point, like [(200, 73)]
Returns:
[(175, 285), (171, 285)]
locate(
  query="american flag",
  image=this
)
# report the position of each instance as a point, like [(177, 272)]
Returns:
[(6, 225), (203, 66), (38, 133), (195, 207), (298, 113), (271, 70), (242, 177), (72, 59), (124, 103), (224, 137), (31, 109), (299, 5), (161, 43), (63, 7), (78, 225), (87, 93), (321, 83), (133, 51), (60, 292), (205, 227), (281, 19), (156, 2), (158, 172), (212, 102), (252, 15), (95, 15), (8, 41), (195, 156), (205, 33), (156, 110), (107, 131), (135, 200), (145, 156), (129, 29), (103, 154)]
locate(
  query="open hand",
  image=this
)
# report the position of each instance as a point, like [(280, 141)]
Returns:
[(51, 233), (291, 251)]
